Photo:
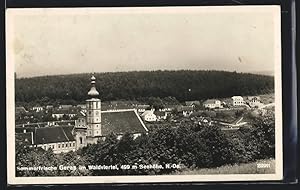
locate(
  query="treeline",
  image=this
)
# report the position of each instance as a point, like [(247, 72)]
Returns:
[(191, 146), (183, 85)]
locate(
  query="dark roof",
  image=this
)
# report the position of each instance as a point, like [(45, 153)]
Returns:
[(120, 122), (54, 134)]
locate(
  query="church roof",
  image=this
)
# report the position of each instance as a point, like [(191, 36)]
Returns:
[(122, 121), (93, 91)]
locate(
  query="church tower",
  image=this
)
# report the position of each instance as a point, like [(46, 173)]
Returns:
[(93, 114)]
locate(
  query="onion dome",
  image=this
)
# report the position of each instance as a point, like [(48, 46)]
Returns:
[(93, 91)]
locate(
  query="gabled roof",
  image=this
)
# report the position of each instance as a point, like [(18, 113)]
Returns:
[(210, 101), (190, 103), (55, 134), (147, 112), (120, 122)]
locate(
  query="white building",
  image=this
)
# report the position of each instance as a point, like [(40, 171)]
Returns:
[(149, 115), (37, 108), (212, 104), (237, 100)]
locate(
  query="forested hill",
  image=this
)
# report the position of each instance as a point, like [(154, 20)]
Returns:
[(137, 85)]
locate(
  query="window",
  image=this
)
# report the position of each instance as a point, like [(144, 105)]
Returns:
[(66, 145), (80, 140), (74, 144), (58, 145), (63, 145)]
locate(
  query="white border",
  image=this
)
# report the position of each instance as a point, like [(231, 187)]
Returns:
[(10, 104)]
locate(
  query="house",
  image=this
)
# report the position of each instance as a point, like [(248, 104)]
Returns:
[(237, 101), (58, 114), (254, 101), (161, 115), (212, 104), (37, 108), (142, 108), (58, 138), (192, 103), (149, 116), (185, 110)]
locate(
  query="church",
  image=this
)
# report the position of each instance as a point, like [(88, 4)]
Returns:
[(90, 127)]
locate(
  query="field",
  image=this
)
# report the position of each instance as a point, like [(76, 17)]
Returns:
[(247, 168)]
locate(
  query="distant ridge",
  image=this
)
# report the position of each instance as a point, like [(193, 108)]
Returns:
[(142, 84), (267, 73)]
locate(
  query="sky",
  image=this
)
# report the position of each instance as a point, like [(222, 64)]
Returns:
[(84, 40)]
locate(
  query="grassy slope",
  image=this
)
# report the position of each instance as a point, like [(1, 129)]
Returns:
[(247, 168)]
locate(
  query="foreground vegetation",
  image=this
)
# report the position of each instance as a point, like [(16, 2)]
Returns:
[(191, 146)]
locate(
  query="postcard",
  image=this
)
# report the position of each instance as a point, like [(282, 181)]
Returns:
[(144, 94)]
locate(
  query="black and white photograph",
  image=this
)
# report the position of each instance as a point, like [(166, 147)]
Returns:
[(143, 94)]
